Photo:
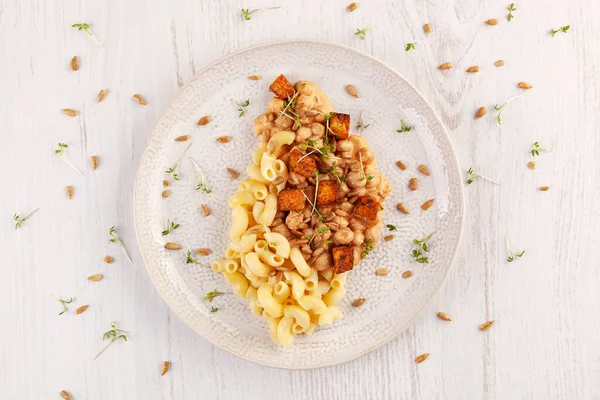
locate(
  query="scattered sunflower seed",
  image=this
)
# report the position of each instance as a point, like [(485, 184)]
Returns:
[(427, 28), (381, 272), (499, 63), (403, 209), (101, 95), (480, 112), (401, 165), (389, 238), (446, 65), (109, 259), (531, 164), (166, 194), (352, 91), (65, 395), (205, 210), (173, 246), (233, 173), (182, 138), (94, 162), (69, 112), (359, 302), (486, 326), (165, 367), (351, 7), (421, 358), (139, 99), (254, 77), (95, 278), (81, 309), (423, 169), (524, 85), (74, 63), (166, 183), (69, 192), (492, 21), (223, 139), (472, 69), (407, 274), (544, 188), (444, 316), (427, 204), (413, 184), (204, 120), (203, 251)]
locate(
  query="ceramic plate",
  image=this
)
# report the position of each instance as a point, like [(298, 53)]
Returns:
[(392, 301)]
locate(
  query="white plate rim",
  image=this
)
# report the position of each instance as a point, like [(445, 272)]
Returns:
[(454, 159)]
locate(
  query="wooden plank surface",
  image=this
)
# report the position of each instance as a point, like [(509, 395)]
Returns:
[(545, 343)]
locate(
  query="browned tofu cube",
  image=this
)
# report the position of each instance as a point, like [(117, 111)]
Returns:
[(300, 164), (340, 125), (291, 199), (327, 192), (366, 209), (282, 87), (343, 258)]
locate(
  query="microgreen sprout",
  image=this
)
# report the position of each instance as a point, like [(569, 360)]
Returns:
[(19, 221), (537, 148), (211, 295), (361, 124), (86, 28), (410, 46), (511, 255), (471, 176), (316, 173), (61, 152), (510, 8), (404, 127), (246, 12), (421, 248), (322, 229), (64, 305), (192, 260), (202, 185), (171, 226), (501, 108), (391, 227), (115, 239), (173, 169), (369, 246), (241, 107), (362, 33), (563, 29), (214, 309), (113, 334)]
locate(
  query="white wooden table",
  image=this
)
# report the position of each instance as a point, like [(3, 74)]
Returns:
[(545, 343)]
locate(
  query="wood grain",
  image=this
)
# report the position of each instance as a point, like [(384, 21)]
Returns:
[(545, 342)]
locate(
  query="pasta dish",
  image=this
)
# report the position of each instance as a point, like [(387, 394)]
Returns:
[(308, 213)]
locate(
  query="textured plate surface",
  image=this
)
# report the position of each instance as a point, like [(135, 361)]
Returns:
[(392, 302)]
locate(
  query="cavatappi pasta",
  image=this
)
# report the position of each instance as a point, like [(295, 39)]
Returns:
[(309, 211)]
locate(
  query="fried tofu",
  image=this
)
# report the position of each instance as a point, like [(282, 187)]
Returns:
[(282, 87), (366, 209), (343, 258), (291, 200), (300, 164), (327, 192), (340, 125)]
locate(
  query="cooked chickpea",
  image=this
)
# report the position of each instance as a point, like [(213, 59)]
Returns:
[(276, 105), (261, 123), (323, 262), (344, 145), (341, 221), (355, 179), (302, 134), (346, 206), (373, 233), (343, 236), (284, 122), (357, 225), (359, 238), (319, 118), (318, 130), (366, 155), (385, 186)]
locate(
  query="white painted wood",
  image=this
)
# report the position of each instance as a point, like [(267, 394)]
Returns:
[(546, 339)]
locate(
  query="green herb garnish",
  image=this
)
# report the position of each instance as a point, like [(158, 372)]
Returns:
[(563, 29), (60, 151), (391, 227), (113, 334), (173, 169), (501, 108), (211, 295), (421, 248), (115, 239), (511, 255), (471, 176), (510, 8), (404, 127), (410, 46), (322, 229), (246, 13), (64, 305), (85, 27), (242, 107), (171, 226), (369, 246), (536, 149), (214, 309), (19, 221), (202, 185), (363, 32)]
